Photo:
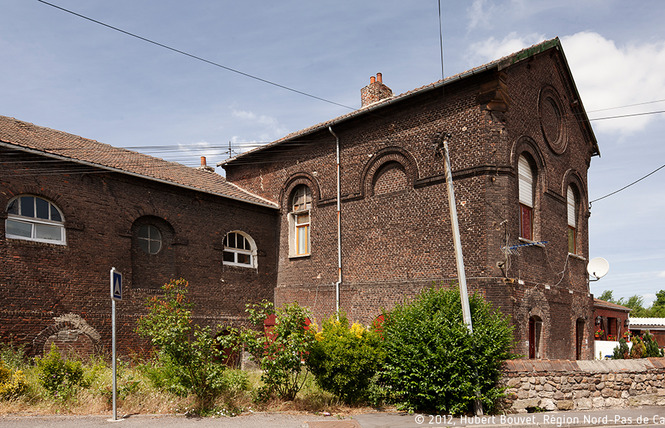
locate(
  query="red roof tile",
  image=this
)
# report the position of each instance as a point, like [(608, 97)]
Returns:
[(40, 140)]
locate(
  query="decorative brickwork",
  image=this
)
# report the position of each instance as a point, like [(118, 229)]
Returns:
[(396, 233)]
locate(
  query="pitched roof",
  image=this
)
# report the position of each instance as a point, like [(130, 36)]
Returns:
[(499, 64), (63, 146), (605, 304), (647, 322)]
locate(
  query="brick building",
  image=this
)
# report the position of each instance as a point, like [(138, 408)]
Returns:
[(520, 145), (72, 208), (356, 204)]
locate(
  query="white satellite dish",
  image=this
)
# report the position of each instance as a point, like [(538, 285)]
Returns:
[(598, 267)]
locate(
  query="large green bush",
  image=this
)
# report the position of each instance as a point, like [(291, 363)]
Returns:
[(434, 363), (281, 353), (344, 358), (190, 356)]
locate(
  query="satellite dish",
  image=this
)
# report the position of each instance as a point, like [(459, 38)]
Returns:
[(598, 267)]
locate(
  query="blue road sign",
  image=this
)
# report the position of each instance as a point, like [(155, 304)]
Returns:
[(116, 284)]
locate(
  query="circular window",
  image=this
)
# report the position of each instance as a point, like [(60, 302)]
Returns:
[(149, 239), (551, 121)]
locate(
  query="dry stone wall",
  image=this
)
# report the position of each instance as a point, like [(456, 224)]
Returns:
[(545, 385)]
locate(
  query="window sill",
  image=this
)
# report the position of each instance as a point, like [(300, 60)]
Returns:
[(577, 256), (533, 243), (301, 256)]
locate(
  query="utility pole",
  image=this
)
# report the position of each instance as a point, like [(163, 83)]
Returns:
[(459, 258)]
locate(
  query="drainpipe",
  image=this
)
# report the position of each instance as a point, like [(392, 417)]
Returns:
[(339, 228)]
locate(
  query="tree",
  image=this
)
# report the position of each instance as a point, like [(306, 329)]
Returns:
[(636, 304), (657, 309), (607, 296)]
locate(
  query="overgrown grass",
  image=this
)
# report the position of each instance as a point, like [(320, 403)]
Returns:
[(137, 393)]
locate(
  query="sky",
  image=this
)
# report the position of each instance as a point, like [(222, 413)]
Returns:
[(272, 68)]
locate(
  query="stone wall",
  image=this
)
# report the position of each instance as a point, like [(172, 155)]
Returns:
[(583, 385)]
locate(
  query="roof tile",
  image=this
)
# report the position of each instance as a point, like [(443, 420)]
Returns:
[(82, 150)]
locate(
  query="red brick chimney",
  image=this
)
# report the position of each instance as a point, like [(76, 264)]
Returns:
[(375, 91), (204, 166)]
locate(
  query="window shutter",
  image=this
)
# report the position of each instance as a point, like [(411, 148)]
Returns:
[(572, 204), (525, 176)]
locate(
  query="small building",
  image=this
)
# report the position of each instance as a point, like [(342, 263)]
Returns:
[(610, 319), (655, 326)]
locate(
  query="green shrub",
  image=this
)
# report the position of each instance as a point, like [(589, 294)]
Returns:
[(434, 363), (190, 356), (12, 382), (13, 355), (59, 376), (622, 351), (281, 353), (344, 359), (651, 348), (644, 346)]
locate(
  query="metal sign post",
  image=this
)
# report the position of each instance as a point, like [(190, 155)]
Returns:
[(116, 294)]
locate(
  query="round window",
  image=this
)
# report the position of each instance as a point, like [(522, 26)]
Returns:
[(149, 239)]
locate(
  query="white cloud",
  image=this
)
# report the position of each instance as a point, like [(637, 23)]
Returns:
[(606, 75), (490, 49), (264, 128), (609, 76)]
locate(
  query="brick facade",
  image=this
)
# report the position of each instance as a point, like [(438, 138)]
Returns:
[(60, 293), (396, 233)]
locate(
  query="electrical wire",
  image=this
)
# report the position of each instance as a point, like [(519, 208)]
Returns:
[(628, 185), (198, 58)]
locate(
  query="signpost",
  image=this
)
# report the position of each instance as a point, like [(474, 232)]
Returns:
[(116, 294)]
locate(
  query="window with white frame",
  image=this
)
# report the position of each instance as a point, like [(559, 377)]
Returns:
[(572, 220), (34, 219), (300, 221), (526, 197), (239, 250)]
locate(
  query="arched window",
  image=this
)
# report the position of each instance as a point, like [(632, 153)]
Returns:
[(239, 250), (526, 197), (572, 219), (300, 221), (34, 219)]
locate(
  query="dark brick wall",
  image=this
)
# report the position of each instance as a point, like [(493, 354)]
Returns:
[(41, 282), (397, 236)]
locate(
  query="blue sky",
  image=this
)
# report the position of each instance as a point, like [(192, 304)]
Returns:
[(70, 74)]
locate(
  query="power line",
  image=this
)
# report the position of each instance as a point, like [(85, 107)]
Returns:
[(629, 105), (161, 45), (627, 186), (628, 115)]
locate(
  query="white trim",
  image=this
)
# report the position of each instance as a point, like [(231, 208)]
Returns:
[(252, 252)]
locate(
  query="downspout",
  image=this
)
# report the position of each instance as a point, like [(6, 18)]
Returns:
[(339, 228)]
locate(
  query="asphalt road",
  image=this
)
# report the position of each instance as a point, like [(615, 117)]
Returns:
[(644, 416)]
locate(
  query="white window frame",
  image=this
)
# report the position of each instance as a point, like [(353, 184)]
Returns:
[(34, 222), (571, 199), (236, 251), (526, 193), (301, 205)]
